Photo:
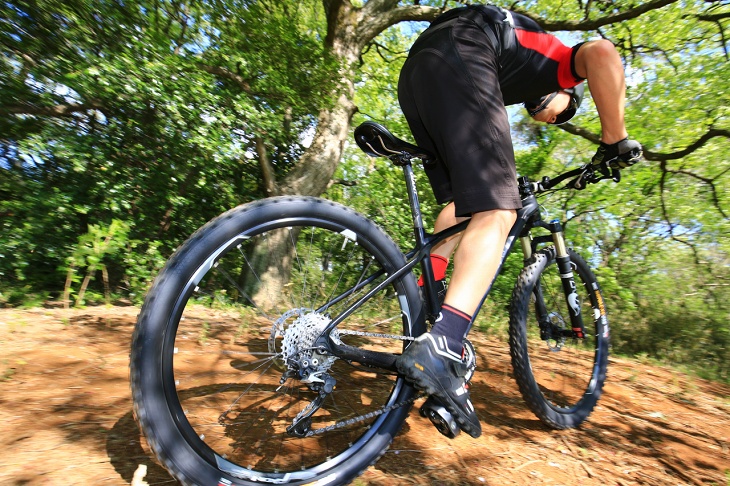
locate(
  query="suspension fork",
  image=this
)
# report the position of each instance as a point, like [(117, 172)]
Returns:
[(565, 268), (567, 279), (543, 319)]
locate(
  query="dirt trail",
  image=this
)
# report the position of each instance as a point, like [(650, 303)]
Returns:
[(66, 418)]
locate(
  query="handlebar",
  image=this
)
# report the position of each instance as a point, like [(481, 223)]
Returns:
[(580, 178)]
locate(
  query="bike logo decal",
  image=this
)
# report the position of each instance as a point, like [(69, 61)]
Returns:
[(599, 299), (574, 302), (602, 315), (573, 299)]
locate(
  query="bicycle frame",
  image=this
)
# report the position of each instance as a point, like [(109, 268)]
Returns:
[(528, 217)]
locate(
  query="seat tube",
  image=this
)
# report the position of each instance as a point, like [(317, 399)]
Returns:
[(420, 235), (566, 276), (415, 204)]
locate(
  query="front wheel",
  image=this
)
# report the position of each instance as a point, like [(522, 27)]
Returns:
[(229, 385), (559, 374)]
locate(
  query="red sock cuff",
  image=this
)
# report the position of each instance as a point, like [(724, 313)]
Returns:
[(439, 264)]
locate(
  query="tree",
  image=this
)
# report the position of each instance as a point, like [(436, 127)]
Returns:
[(114, 110)]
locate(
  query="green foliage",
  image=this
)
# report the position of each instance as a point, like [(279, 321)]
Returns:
[(92, 249), (145, 113)]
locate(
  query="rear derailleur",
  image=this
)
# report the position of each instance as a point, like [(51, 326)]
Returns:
[(319, 382)]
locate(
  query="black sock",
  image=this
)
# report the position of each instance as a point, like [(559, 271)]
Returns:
[(452, 324)]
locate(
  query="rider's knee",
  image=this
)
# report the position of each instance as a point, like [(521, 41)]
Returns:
[(497, 219)]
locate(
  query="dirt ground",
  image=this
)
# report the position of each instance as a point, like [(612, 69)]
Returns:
[(66, 418)]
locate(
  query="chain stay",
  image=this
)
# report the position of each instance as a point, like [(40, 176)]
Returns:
[(345, 332)]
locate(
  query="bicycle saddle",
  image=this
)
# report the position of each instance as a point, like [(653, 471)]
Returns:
[(376, 141)]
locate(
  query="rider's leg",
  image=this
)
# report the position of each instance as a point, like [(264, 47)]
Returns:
[(446, 219), (478, 255), (477, 258), (434, 362), (599, 63), (476, 261)]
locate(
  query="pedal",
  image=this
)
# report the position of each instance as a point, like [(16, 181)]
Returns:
[(440, 418)]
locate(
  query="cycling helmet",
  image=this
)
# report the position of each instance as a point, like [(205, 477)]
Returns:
[(576, 97)]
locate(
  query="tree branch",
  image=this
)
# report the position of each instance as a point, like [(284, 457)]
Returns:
[(648, 154), (334, 10), (341, 182), (714, 17), (665, 213), (229, 75), (595, 24), (581, 132), (380, 15), (267, 170), (373, 20), (663, 158), (59, 110), (709, 182), (710, 134), (717, 19)]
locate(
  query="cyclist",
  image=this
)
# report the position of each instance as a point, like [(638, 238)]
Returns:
[(460, 74)]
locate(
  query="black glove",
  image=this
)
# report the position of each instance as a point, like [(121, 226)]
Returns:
[(619, 155)]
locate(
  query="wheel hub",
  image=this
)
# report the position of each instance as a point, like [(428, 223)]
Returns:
[(553, 335)]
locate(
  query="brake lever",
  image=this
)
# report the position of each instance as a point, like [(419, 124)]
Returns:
[(581, 182)]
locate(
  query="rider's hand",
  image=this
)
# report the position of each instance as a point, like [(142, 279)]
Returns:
[(619, 155)]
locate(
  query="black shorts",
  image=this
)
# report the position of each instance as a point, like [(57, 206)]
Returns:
[(449, 92)]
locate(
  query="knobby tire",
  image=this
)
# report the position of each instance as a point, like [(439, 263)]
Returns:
[(560, 378)]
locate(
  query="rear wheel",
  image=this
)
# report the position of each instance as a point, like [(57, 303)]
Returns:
[(560, 376), (228, 386)]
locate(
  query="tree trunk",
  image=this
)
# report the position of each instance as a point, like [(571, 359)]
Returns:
[(349, 30)]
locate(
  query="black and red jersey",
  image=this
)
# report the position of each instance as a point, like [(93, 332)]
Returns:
[(532, 62)]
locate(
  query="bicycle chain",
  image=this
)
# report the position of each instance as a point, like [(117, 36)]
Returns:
[(373, 334), (361, 418)]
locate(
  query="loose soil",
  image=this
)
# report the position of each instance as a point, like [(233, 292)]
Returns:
[(66, 418)]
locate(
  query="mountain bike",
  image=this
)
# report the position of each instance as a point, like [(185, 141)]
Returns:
[(265, 350)]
